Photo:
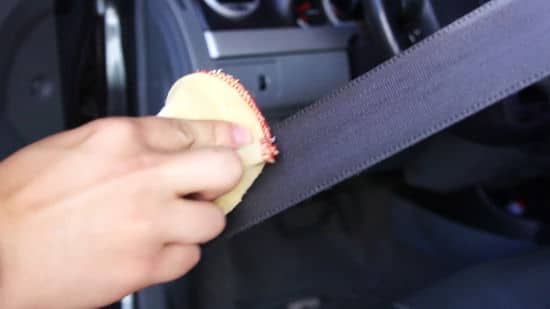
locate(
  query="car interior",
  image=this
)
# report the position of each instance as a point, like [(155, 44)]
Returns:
[(428, 221)]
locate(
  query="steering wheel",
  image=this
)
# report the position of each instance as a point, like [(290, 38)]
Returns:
[(397, 24)]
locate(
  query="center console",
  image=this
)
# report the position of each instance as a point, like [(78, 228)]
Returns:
[(287, 53)]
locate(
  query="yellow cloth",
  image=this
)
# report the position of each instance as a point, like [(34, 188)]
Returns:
[(206, 96)]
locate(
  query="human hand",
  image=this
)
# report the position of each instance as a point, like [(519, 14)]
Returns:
[(93, 214)]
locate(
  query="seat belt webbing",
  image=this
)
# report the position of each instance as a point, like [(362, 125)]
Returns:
[(485, 56)]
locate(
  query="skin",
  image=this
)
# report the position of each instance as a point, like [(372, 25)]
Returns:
[(93, 214)]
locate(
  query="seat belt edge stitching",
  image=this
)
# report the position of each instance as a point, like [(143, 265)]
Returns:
[(411, 141)]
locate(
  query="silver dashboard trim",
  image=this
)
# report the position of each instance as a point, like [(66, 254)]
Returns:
[(239, 43), (115, 67)]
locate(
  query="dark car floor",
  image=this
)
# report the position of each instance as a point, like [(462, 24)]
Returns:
[(357, 246)]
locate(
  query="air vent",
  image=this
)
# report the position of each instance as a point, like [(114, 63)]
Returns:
[(233, 9)]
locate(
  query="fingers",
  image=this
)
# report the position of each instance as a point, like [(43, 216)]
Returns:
[(174, 261), (191, 222), (173, 134), (207, 172), (159, 133)]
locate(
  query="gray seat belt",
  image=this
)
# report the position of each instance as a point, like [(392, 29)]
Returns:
[(489, 54)]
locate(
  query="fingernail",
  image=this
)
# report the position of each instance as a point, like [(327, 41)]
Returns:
[(241, 136)]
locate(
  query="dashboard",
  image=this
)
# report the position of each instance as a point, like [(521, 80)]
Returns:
[(287, 52)]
